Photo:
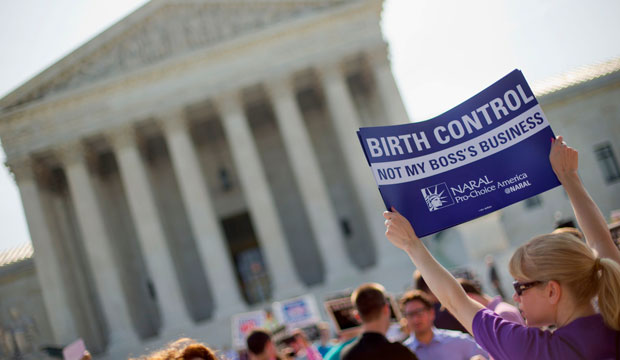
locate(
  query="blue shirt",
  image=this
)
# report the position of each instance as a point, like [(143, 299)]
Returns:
[(334, 352), (446, 344), (323, 350)]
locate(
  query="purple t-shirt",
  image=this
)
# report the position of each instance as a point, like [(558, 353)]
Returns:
[(585, 338)]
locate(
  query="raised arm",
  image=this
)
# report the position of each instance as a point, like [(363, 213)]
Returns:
[(564, 161), (439, 280)]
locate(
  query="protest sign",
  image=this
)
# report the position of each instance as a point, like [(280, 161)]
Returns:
[(74, 351), (342, 313), (297, 312), (485, 154), (244, 323)]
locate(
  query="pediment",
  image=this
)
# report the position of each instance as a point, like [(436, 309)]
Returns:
[(160, 30)]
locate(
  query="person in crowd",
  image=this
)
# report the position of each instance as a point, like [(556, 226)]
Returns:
[(564, 223), (495, 304), (324, 344), (570, 230), (197, 352), (182, 349), (345, 338), (494, 276), (397, 332), (374, 311), (557, 276), (443, 318), (303, 348), (261, 347), (428, 342)]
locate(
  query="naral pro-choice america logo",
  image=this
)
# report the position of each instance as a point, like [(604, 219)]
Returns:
[(437, 197)]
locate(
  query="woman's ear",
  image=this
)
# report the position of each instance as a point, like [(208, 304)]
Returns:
[(553, 292)]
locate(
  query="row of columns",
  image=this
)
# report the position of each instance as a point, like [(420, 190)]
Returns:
[(198, 203), (47, 260)]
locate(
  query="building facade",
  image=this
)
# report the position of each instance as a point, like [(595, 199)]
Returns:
[(24, 327), (582, 105), (198, 159)]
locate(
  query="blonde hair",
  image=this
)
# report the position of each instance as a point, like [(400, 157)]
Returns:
[(563, 258)]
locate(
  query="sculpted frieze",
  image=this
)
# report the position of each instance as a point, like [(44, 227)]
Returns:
[(172, 30)]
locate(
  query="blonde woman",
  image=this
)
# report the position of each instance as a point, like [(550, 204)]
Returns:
[(557, 276)]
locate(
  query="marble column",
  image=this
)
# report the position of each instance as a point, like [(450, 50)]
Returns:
[(149, 230), (202, 217), (308, 175), (97, 244), (386, 87), (346, 122), (47, 262), (259, 197)]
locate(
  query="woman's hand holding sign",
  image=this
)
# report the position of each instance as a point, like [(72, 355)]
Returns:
[(399, 231), (564, 159), (565, 162)]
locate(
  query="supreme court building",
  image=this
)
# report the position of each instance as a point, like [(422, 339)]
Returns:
[(198, 159)]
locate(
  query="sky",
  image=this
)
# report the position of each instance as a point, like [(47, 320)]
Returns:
[(442, 52)]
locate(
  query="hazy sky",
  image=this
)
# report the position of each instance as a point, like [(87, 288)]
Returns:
[(442, 52)]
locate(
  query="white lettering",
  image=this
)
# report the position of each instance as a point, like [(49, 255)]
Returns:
[(485, 113), (395, 145), (405, 138), (515, 103), (469, 122), (497, 105), (421, 139), (456, 129), (385, 147), (526, 99), (374, 147), (438, 136)]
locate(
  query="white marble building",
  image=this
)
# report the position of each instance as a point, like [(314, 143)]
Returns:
[(583, 105), (24, 327), (199, 158)]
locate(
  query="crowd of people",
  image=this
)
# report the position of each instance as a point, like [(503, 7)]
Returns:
[(421, 333), (567, 288)]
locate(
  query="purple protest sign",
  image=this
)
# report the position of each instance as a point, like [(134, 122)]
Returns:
[(484, 154)]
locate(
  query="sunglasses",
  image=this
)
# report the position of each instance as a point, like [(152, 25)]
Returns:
[(520, 287)]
